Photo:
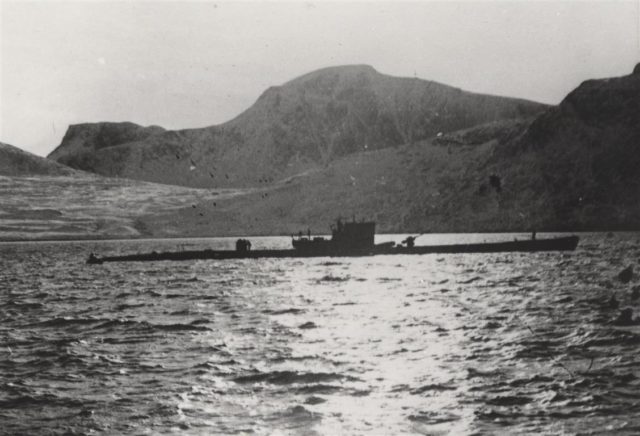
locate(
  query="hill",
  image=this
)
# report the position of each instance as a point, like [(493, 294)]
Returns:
[(304, 124), (577, 164), (16, 162), (572, 168), (96, 136)]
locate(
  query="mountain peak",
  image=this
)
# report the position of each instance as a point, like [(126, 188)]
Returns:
[(343, 70), (335, 74), (356, 68), (636, 70)]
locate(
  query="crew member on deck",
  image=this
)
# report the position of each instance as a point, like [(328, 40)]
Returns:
[(243, 245), (410, 241)]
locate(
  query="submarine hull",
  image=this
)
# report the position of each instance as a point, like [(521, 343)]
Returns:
[(567, 243)]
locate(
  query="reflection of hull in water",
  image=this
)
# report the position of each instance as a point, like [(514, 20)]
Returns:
[(567, 243)]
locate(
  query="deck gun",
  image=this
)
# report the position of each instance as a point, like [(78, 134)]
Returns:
[(410, 241)]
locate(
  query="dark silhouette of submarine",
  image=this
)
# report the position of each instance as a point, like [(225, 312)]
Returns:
[(348, 239)]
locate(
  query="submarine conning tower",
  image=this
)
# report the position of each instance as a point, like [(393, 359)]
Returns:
[(353, 234)]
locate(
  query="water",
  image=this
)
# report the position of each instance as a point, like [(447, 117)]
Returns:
[(433, 344)]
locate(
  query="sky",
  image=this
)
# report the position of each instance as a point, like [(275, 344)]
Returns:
[(195, 64)]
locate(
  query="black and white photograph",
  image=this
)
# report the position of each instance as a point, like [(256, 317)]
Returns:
[(319, 218)]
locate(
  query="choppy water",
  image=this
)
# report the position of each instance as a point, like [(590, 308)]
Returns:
[(433, 344)]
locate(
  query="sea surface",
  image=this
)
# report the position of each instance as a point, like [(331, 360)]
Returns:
[(461, 344)]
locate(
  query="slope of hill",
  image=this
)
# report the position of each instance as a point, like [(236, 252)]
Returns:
[(575, 167), (306, 123), (86, 206), (578, 163), (15, 162)]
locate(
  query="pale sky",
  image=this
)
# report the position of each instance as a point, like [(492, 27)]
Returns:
[(195, 64)]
